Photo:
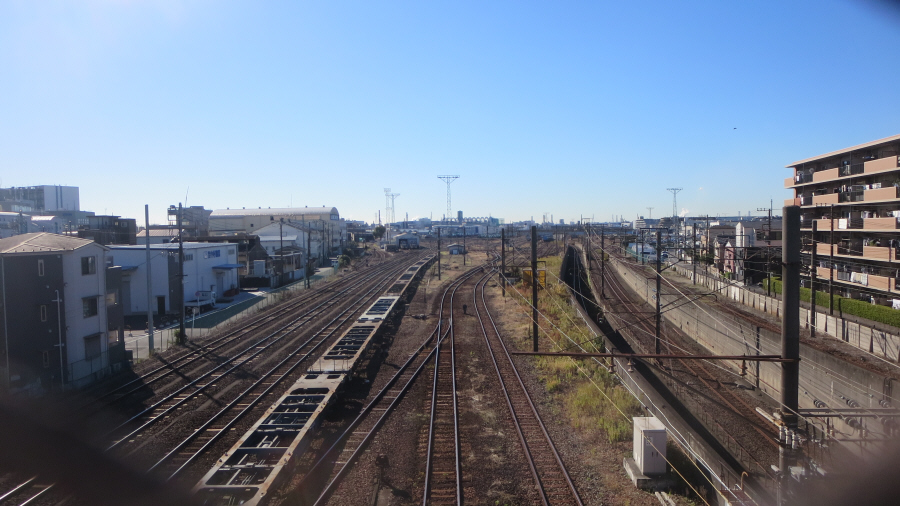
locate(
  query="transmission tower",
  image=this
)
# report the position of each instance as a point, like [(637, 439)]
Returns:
[(674, 200), (448, 180), (393, 209), (650, 210), (387, 205)]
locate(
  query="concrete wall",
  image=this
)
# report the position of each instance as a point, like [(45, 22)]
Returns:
[(879, 342), (822, 375)]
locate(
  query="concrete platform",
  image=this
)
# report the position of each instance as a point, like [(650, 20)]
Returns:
[(644, 482)]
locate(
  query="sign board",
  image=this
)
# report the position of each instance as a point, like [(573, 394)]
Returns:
[(542, 277)]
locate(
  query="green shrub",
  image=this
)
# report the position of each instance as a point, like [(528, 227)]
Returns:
[(860, 308)]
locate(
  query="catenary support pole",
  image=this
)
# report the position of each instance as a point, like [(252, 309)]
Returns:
[(534, 288), (831, 268), (439, 254), (503, 261), (812, 282), (694, 251), (602, 263), (790, 343), (658, 297), (149, 282)]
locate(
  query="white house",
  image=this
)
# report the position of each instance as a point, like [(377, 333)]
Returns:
[(210, 271)]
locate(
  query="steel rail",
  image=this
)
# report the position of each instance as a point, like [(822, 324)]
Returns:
[(523, 392), (257, 321), (240, 359), (370, 433), (349, 311), (432, 425)]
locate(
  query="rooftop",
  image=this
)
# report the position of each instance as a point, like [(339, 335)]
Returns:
[(846, 150), (41, 242), (271, 211)]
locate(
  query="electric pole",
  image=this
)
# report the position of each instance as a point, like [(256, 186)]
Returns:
[(439, 254), (534, 288), (812, 282), (658, 297), (181, 337), (790, 346)]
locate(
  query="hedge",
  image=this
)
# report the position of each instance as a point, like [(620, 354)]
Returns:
[(861, 308)]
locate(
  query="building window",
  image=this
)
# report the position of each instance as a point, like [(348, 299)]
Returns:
[(40, 267), (92, 346), (188, 257), (88, 265), (43, 312), (89, 306), (46, 359)]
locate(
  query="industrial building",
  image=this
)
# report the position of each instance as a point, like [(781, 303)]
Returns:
[(39, 199), (851, 197), (61, 320), (324, 223), (210, 271), (406, 241)]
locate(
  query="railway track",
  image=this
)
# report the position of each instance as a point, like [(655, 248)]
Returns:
[(350, 445), (24, 492), (725, 413), (552, 481), (263, 324), (226, 377)]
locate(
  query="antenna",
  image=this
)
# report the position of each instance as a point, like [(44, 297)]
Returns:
[(448, 180)]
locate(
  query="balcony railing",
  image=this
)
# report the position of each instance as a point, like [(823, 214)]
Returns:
[(854, 196), (828, 198), (881, 165), (886, 193), (806, 201), (851, 170)]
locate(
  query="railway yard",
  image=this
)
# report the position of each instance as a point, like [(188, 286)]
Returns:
[(395, 383)]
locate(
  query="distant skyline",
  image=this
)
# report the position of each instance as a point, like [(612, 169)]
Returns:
[(565, 108)]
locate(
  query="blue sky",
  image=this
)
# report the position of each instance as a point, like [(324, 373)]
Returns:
[(567, 108)]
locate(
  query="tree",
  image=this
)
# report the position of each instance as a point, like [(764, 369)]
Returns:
[(378, 233)]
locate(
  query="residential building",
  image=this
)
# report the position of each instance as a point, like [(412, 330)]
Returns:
[(851, 197), (61, 324)]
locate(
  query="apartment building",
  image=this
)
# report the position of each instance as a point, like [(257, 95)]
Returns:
[(850, 207)]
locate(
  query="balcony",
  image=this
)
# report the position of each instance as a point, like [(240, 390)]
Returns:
[(828, 198), (826, 175), (881, 165), (851, 196), (880, 223), (851, 170), (792, 202), (788, 182), (873, 281), (886, 193)]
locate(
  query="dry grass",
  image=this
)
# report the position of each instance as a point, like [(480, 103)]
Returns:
[(593, 397)]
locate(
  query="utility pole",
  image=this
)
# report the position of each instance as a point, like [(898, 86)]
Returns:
[(281, 251), (790, 345), (503, 261), (181, 337), (534, 288), (658, 297), (149, 282), (439, 254), (812, 282), (465, 251), (308, 257)]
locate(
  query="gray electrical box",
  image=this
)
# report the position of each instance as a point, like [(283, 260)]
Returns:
[(650, 445)]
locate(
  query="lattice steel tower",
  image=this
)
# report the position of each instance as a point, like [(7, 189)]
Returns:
[(448, 180), (674, 200)]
